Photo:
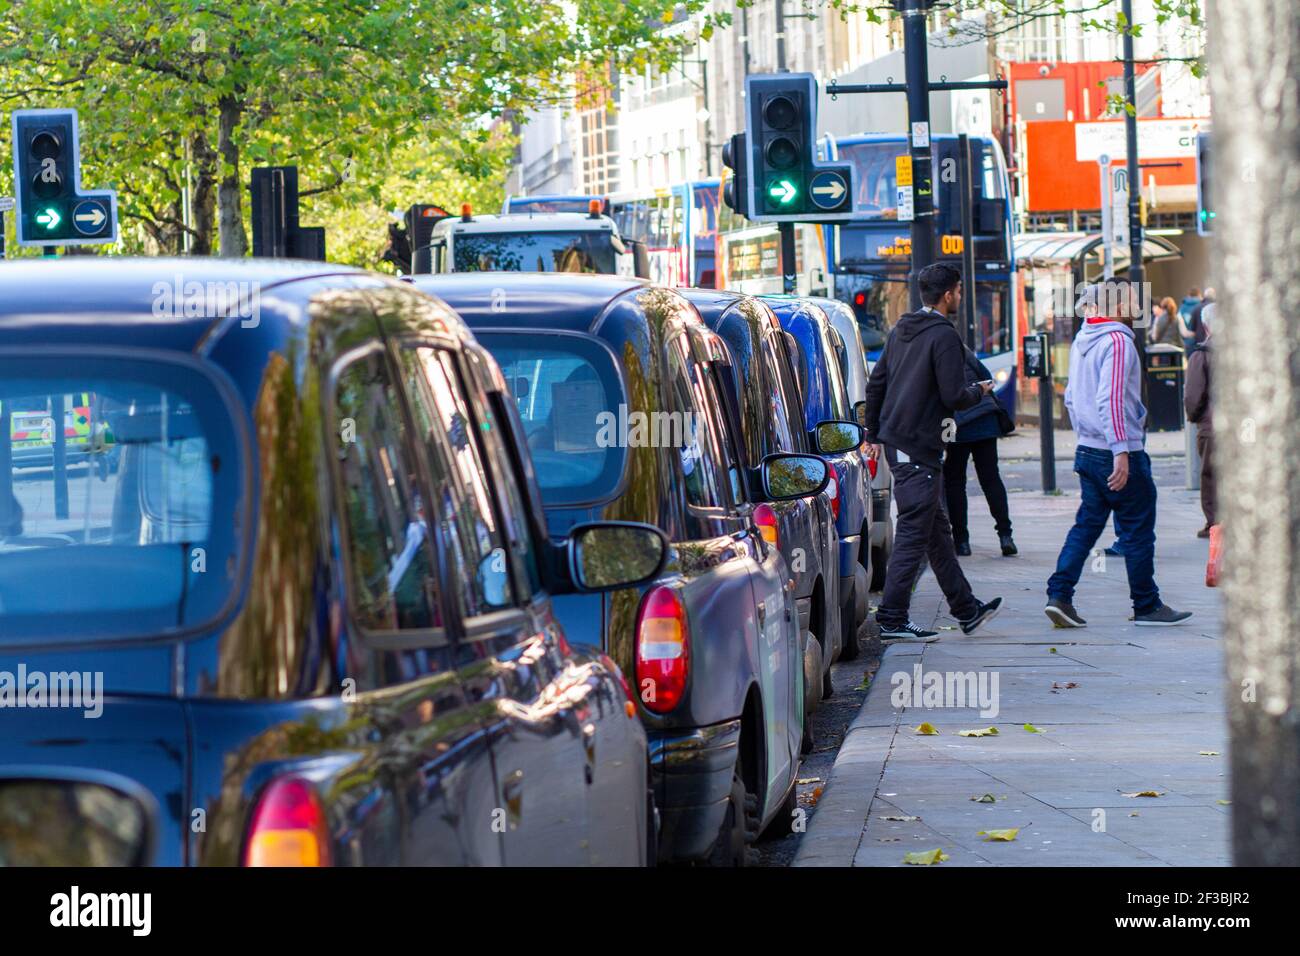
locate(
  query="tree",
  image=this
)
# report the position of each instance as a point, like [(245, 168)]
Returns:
[(1254, 62), (335, 87)]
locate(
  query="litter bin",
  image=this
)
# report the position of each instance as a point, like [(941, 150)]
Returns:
[(1164, 388)]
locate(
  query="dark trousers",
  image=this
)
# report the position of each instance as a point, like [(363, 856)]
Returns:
[(985, 453), (1134, 507), (1205, 448), (921, 532)]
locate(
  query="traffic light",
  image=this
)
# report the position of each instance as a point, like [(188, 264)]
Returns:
[(736, 191), (785, 181), (52, 210), (274, 213), (1204, 196)]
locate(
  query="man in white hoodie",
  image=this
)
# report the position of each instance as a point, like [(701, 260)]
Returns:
[(1104, 399)]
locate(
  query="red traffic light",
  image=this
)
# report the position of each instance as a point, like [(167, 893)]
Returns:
[(859, 298)]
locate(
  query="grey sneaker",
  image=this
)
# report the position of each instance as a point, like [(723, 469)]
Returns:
[(1063, 614), (1163, 616)]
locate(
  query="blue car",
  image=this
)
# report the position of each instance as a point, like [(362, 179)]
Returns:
[(820, 358), (307, 619)]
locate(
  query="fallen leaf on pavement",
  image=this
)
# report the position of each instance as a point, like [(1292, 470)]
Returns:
[(814, 797), (986, 732), (1209, 753), (926, 729), (926, 858), (1145, 793), (1052, 650), (999, 836), (809, 780), (987, 798), (1033, 730), (1224, 803), (1068, 685), (1135, 814), (901, 819)]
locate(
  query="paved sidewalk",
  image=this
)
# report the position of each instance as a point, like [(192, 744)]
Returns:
[(1147, 701), (1025, 443)]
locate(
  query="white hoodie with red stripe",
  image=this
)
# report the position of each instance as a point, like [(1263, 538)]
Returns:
[(1104, 392)]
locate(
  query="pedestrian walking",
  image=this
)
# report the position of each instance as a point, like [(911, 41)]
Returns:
[(1194, 320), (978, 430), (1164, 326), (1185, 309), (1197, 404), (917, 384), (1104, 399)]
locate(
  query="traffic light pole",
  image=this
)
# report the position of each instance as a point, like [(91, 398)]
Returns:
[(1135, 271), (789, 269), (918, 88)]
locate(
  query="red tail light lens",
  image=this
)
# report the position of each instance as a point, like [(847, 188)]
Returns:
[(872, 465), (833, 489), (662, 650), (765, 518), (289, 827)]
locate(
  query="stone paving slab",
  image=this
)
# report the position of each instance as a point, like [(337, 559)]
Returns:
[(1147, 701)]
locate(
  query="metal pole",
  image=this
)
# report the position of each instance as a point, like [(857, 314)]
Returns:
[(917, 72), (59, 460), (780, 36), (1047, 422), (1135, 271), (7, 499), (965, 185), (788, 261)]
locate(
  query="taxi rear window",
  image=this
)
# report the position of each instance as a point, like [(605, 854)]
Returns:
[(569, 398), (119, 493)]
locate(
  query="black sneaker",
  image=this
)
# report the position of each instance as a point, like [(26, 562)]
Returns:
[(1008, 545), (1163, 616), (1115, 551), (907, 632), (986, 612), (962, 548), (1063, 614)]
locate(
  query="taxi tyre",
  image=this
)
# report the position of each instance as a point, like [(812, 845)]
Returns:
[(739, 825), (880, 556), (783, 823), (812, 672), (854, 615)]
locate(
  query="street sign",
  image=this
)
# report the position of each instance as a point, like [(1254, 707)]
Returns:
[(51, 207), (89, 216), (828, 188)]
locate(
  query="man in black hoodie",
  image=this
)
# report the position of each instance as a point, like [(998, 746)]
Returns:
[(915, 387)]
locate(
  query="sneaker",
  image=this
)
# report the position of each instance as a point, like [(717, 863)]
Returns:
[(1063, 614), (1008, 545), (962, 548), (1163, 616), (985, 613), (907, 632), (1204, 532), (1115, 551)]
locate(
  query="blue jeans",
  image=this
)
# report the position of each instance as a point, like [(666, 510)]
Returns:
[(1134, 508)]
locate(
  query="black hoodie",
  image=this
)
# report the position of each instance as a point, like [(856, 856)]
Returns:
[(917, 384)]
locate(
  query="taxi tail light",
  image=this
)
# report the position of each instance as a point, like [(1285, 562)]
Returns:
[(765, 518), (662, 650), (288, 827)]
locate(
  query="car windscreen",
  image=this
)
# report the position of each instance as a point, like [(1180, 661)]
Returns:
[(126, 523), (569, 396), (559, 251)]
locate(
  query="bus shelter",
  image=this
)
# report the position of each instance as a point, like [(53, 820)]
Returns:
[(1050, 269)]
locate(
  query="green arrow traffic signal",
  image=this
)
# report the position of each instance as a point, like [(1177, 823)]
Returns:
[(783, 192), (49, 218)]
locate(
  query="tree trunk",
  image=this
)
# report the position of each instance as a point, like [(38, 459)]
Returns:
[(203, 201), (229, 192), (1255, 51)]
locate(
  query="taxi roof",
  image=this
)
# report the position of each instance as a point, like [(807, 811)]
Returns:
[(540, 300)]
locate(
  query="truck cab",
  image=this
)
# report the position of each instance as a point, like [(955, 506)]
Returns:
[(530, 242)]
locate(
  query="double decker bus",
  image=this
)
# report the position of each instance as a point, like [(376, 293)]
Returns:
[(869, 257), (677, 224)]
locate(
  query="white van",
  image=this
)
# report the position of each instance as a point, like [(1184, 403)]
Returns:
[(522, 242)]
